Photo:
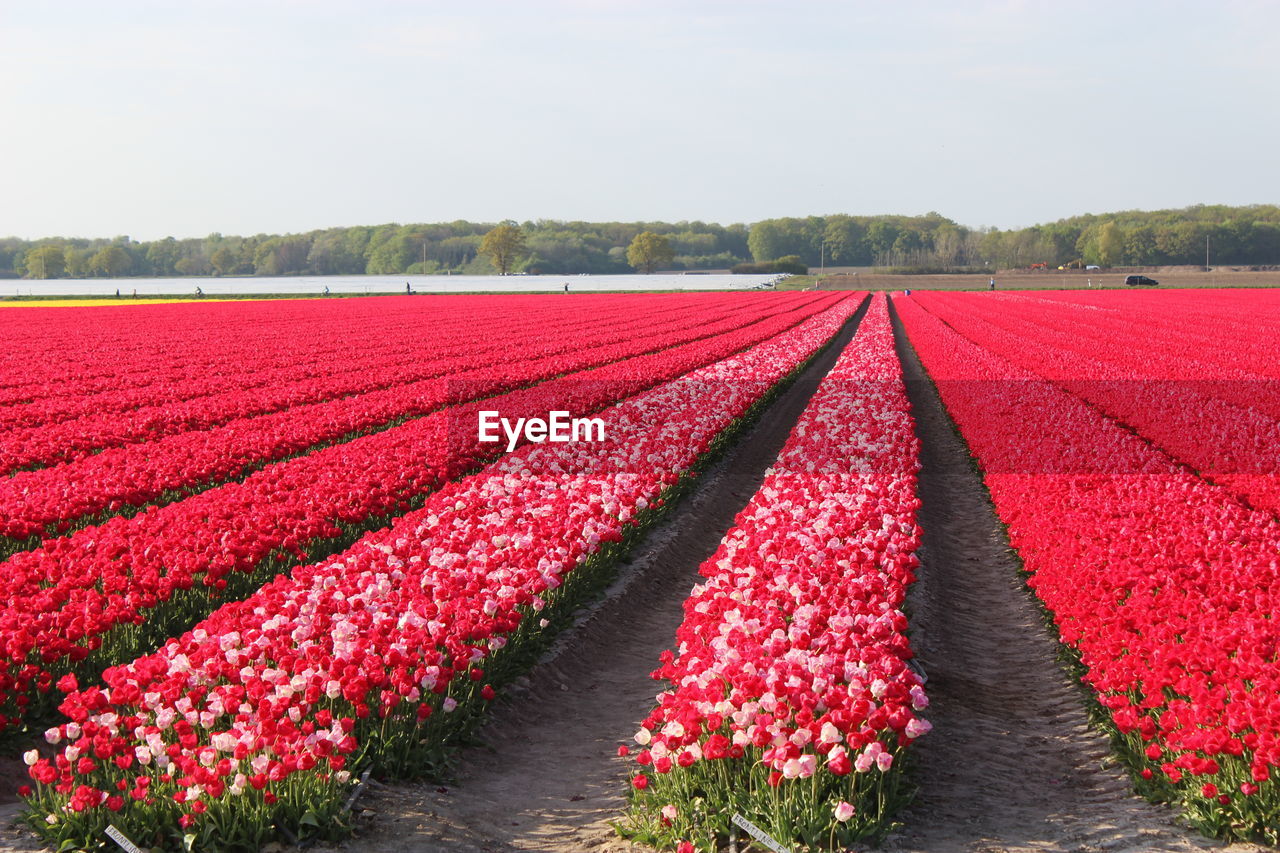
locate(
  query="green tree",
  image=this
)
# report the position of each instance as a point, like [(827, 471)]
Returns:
[(1110, 245), (46, 262), (845, 239), (78, 262), (224, 260), (765, 240), (881, 236), (456, 252), (282, 255), (1140, 245), (110, 261), (503, 245), (334, 253), (391, 257), (193, 265), (648, 250), (163, 255)]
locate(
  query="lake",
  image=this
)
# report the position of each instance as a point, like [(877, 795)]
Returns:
[(377, 284)]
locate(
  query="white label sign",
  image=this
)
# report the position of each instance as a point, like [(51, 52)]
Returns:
[(759, 834), (118, 837)]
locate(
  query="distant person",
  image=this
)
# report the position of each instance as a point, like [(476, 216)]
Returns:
[(117, 293), (199, 292), (906, 292), (326, 290), (566, 287), (407, 288), (991, 285)]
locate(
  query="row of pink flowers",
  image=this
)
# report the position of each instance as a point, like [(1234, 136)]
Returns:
[(252, 718), (1166, 585), (68, 597), (791, 698), (135, 474)]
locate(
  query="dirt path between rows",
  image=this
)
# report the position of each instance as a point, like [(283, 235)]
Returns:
[(547, 776), (1011, 764)]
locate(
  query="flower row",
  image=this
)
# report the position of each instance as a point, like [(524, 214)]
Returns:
[(383, 654), (459, 343), (171, 352), (64, 496), (1164, 584), (107, 593), (1190, 393), (791, 696)]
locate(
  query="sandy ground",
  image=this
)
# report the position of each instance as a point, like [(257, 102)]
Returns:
[(1169, 277)]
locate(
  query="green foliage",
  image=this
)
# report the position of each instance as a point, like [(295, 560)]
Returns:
[(45, 262), (648, 250), (282, 256), (223, 260), (111, 262), (193, 265), (502, 245), (77, 261), (391, 256), (786, 264), (1236, 235), (1102, 244), (163, 256)]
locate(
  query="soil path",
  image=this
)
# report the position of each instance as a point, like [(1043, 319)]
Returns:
[(547, 776), (1011, 764)]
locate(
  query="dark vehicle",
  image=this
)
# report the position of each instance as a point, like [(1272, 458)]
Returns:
[(1133, 280)]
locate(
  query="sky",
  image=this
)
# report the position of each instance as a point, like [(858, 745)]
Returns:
[(166, 118)]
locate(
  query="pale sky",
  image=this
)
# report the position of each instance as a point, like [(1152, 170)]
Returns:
[(184, 118)]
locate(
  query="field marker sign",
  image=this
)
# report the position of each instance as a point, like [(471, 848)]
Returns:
[(119, 838), (759, 834)]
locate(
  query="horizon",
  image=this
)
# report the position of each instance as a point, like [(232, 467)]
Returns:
[(231, 234), (155, 120)]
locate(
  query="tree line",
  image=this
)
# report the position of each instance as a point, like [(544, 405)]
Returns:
[(1235, 235), (394, 249)]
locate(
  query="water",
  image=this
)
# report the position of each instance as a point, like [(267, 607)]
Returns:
[(378, 284)]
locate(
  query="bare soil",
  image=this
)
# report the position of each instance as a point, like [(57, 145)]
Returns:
[(1169, 277), (1012, 764)]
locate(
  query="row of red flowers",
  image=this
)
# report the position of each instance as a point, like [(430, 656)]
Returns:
[(1165, 585), (1185, 387), (109, 593), (459, 342), (178, 374), (1244, 322), (55, 353), (64, 363), (253, 719), (135, 474), (791, 698)]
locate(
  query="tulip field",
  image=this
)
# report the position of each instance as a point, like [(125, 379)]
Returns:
[(253, 552), (792, 697), (1128, 442)]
